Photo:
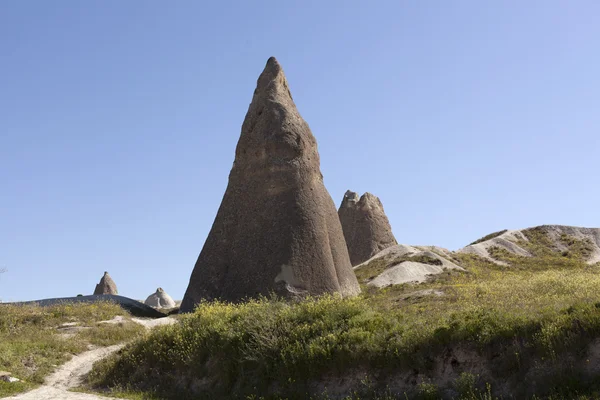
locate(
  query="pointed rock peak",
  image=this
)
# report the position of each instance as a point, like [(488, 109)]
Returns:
[(273, 131), (350, 195), (159, 290), (106, 285), (272, 70), (275, 196), (369, 199), (273, 64), (350, 199), (272, 81), (368, 196)]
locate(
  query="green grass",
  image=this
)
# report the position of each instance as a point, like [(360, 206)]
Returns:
[(109, 334), (534, 318), (119, 393), (31, 347)]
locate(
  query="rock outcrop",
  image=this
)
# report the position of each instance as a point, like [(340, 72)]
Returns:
[(557, 238), (366, 228), (106, 285), (277, 230), (160, 299), (403, 264)]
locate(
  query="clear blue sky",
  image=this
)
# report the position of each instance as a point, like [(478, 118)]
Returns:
[(119, 120)]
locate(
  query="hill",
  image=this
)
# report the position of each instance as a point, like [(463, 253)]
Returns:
[(501, 246), (528, 327)]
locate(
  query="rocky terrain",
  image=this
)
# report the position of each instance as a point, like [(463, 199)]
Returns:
[(515, 242), (402, 264)]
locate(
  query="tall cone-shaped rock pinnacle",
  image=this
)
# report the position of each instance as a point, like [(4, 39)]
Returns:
[(276, 230), (106, 285), (366, 228)]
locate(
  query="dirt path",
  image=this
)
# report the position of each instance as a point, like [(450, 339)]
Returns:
[(152, 323), (70, 374)]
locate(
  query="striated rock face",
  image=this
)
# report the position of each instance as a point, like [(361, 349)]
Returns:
[(106, 285), (160, 299), (276, 230), (366, 227)]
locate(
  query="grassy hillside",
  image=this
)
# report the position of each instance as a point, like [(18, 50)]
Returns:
[(31, 346), (528, 330)]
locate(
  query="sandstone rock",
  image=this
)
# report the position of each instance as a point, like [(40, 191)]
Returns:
[(512, 241), (276, 230), (106, 286), (160, 299), (366, 227)]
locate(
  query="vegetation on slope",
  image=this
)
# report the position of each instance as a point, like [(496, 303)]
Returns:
[(490, 236), (545, 253), (521, 331), (31, 346), (375, 267)]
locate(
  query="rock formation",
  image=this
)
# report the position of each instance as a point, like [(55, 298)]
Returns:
[(160, 299), (276, 230), (106, 285), (366, 227), (403, 264), (557, 237)]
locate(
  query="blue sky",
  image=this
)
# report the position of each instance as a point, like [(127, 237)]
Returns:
[(119, 120)]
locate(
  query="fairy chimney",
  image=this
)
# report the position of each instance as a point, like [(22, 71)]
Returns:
[(106, 285), (276, 230), (366, 228)]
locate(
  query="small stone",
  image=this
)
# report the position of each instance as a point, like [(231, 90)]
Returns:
[(67, 325), (6, 377)]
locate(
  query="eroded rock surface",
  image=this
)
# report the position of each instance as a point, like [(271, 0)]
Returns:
[(160, 299), (277, 229), (366, 228), (513, 242), (406, 264), (106, 285)]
